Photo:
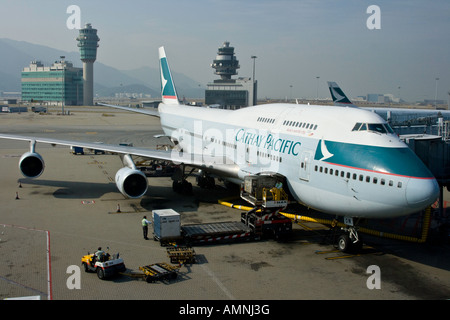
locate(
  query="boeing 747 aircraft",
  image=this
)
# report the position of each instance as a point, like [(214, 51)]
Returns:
[(340, 99), (339, 160)]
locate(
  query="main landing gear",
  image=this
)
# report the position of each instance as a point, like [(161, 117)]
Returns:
[(180, 184), (349, 240)]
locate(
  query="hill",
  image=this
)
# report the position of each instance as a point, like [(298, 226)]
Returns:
[(15, 55)]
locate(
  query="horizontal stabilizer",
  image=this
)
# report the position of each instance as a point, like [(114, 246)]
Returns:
[(150, 112)]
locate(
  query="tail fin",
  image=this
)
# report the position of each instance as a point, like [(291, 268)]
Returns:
[(168, 91), (338, 96)]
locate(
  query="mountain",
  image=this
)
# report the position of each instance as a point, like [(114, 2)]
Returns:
[(15, 55), (185, 86)]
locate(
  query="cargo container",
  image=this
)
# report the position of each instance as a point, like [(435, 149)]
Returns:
[(166, 224)]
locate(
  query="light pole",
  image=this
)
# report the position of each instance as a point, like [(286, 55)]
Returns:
[(254, 81), (254, 58), (448, 102), (435, 94), (317, 88)]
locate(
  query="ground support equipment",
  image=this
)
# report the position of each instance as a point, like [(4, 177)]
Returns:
[(181, 255), (267, 224), (106, 268), (216, 232), (159, 272), (265, 191)]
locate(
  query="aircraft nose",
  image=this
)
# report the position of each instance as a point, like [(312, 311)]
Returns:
[(421, 193)]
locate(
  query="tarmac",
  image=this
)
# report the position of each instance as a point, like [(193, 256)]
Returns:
[(71, 210)]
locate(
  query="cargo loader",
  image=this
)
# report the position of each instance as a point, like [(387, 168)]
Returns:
[(255, 224)]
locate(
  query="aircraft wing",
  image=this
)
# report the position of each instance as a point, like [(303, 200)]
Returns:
[(218, 165), (148, 112)]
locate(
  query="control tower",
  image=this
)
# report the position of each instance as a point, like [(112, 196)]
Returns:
[(225, 63), (226, 92), (88, 44)]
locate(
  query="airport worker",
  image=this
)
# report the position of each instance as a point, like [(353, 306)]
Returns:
[(145, 224), (99, 254)]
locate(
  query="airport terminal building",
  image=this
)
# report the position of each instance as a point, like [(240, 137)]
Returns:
[(54, 85)]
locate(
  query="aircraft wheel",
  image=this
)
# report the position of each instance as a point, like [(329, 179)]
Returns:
[(344, 243), (177, 186), (186, 187)]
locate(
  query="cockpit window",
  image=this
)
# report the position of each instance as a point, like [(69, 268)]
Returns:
[(377, 127), (388, 128), (382, 128)]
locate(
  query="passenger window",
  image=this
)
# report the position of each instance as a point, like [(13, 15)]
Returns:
[(399, 185), (382, 182)]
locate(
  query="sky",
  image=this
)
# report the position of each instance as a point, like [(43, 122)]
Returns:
[(295, 41)]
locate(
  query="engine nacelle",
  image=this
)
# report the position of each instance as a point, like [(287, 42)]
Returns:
[(31, 164), (131, 183)]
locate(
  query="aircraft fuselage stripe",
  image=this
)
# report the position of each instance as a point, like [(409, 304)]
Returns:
[(379, 172)]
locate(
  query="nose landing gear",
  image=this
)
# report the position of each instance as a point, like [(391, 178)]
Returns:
[(350, 240)]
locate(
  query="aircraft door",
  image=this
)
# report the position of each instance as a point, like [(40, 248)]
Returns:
[(305, 164)]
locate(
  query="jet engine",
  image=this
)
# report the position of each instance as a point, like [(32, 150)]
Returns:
[(132, 183), (31, 164)]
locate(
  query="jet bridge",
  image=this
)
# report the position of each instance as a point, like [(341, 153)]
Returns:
[(434, 151)]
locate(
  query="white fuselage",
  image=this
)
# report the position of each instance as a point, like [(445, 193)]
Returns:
[(328, 164)]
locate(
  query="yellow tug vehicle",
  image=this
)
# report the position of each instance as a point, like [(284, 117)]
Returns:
[(102, 263)]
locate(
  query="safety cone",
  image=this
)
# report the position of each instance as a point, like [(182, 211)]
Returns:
[(17, 195)]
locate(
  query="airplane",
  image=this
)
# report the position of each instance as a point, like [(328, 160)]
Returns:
[(398, 115), (341, 161)]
